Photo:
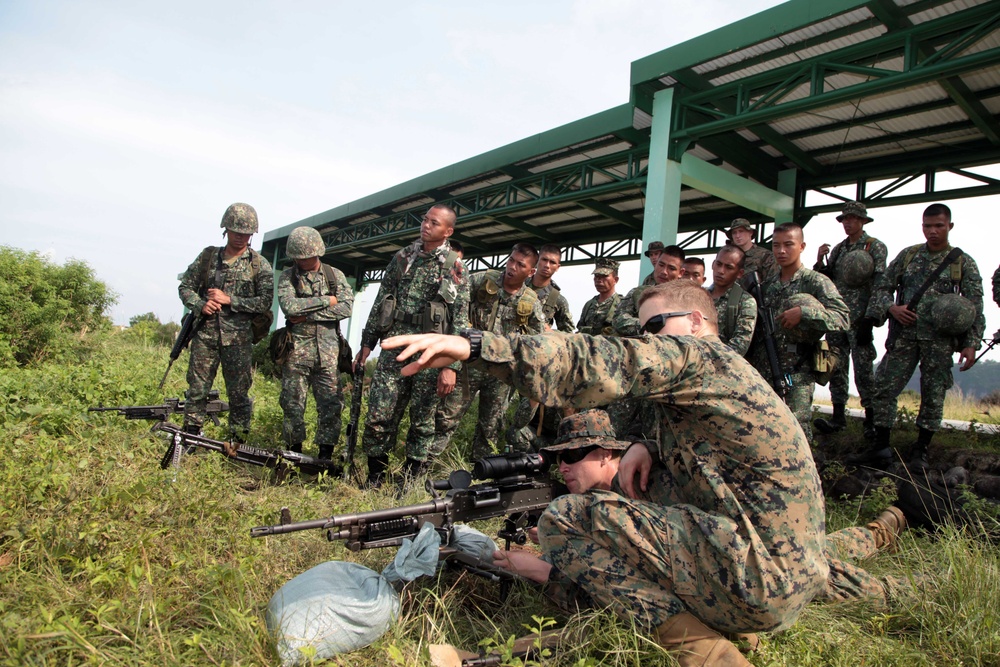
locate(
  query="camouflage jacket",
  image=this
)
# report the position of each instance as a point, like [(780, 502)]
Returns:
[(734, 452), (309, 294), (482, 304), (833, 316), (762, 261), (251, 291), (856, 298), (905, 282), (554, 305), (598, 317), (996, 286), (740, 334), (414, 278), (627, 317)]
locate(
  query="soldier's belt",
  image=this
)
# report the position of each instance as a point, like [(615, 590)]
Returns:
[(799, 348), (413, 319)]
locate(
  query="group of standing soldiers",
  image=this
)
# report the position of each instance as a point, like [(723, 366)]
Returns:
[(930, 294)]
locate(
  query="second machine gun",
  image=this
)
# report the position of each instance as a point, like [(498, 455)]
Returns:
[(170, 406)]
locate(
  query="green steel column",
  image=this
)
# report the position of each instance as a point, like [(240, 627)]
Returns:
[(786, 186), (663, 183)]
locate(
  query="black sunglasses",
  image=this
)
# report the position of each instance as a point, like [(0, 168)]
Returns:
[(571, 456), (656, 323)]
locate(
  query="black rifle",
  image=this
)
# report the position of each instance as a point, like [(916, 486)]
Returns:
[(354, 423), (517, 487), (189, 326), (992, 344), (279, 460), (170, 406), (780, 380)]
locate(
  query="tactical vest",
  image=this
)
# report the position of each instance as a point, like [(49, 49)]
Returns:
[(260, 323), (490, 291), (955, 269)]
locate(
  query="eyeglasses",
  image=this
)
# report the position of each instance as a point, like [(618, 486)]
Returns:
[(571, 456), (656, 323)]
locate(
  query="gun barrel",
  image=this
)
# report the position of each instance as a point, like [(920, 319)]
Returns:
[(358, 519)]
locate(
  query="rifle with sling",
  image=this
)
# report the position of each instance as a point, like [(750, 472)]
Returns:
[(190, 322), (170, 406), (780, 380), (354, 422)]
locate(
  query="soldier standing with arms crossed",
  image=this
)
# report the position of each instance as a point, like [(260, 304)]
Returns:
[(228, 286), (314, 298)]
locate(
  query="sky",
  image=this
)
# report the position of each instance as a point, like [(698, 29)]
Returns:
[(128, 128)]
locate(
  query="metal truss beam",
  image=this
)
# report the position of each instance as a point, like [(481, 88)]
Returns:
[(759, 98)]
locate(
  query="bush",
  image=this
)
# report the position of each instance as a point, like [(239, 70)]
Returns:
[(48, 308), (148, 330)]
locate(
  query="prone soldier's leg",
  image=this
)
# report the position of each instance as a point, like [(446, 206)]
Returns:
[(329, 405), (202, 367), (237, 369), (848, 581), (294, 388)]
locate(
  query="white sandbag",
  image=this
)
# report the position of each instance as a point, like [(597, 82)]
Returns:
[(416, 558), (474, 542), (335, 607)]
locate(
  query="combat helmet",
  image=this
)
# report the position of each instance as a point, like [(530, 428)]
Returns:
[(803, 333), (952, 314), (240, 218), (856, 268), (305, 242)]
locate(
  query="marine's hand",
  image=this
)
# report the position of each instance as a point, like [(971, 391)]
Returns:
[(967, 358), (434, 350), (219, 296), (361, 358), (446, 381), (636, 461), (903, 315), (523, 563), (790, 318)]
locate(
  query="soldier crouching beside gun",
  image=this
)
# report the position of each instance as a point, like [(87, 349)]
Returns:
[(732, 538)]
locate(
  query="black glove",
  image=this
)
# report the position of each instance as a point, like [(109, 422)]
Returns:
[(864, 332)]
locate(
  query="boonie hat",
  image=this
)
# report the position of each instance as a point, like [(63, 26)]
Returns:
[(737, 223), (655, 246), (605, 267), (854, 208), (589, 428)]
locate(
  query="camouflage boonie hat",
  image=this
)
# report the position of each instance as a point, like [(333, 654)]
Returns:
[(606, 267), (589, 428), (240, 218), (952, 314), (854, 208), (803, 333), (655, 246), (305, 242), (737, 223), (856, 268)]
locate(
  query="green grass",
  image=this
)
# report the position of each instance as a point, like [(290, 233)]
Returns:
[(107, 560)]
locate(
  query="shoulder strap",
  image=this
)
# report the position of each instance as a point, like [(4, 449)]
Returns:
[(206, 264), (552, 300), (945, 263), (733, 307), (254, 263)]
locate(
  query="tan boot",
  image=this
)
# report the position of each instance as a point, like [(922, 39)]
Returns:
[(694, 644), (887, 527)]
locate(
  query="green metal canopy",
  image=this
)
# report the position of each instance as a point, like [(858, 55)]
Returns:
[(746, 121)]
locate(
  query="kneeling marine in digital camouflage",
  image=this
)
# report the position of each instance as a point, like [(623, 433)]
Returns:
[(314, 297)]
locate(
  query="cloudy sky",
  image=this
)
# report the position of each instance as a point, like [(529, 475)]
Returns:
[(127, 128)]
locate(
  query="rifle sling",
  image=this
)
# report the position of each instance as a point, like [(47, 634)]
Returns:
[(945, 263)]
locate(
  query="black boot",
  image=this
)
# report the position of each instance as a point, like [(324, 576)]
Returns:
[(918, 453), (414, 468), (837, 423), (297, 448), (869, 425), (376, 471), (325, 452), (192, 429), (880, 454)]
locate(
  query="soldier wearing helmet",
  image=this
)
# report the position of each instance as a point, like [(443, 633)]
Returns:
[(798, 322), (853, 265), (924, 332), (314, 298), (231, 288)]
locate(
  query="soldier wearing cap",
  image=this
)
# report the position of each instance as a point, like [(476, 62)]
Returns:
[(758, 259), (726, 534), (804, 305), (228, 287), (926, 335), (669, 265), (599, 313), (653, 252), (314, 298), (854, 276)]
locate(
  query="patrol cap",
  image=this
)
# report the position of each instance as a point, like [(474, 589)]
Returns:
[(736, 224), (589, 428), (952, 314), (240, 218), (854, 208), (606, 267), (655, 246), (856, 268)]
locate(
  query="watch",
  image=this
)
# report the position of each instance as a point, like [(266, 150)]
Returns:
[(475, 338)]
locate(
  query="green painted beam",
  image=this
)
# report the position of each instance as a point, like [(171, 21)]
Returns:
[(612, 213), (521, 226), (718, 182)]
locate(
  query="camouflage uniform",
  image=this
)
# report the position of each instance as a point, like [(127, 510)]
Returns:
[(315, 347), (597, 317), (554, 305), (746, 319), (523, 435), (920, 342), (796, 358), (493, 394), (225, 337), (414, 278), (627, 317), (734, 529), (996, 287), (760, 260), (856, 298)]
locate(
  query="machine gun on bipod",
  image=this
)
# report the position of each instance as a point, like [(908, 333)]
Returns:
[(170, 406)]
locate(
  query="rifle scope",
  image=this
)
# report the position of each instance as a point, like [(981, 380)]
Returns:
[(507, 465)]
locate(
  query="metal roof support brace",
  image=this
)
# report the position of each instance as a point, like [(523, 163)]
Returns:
[(716, 181), (663, 182)]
